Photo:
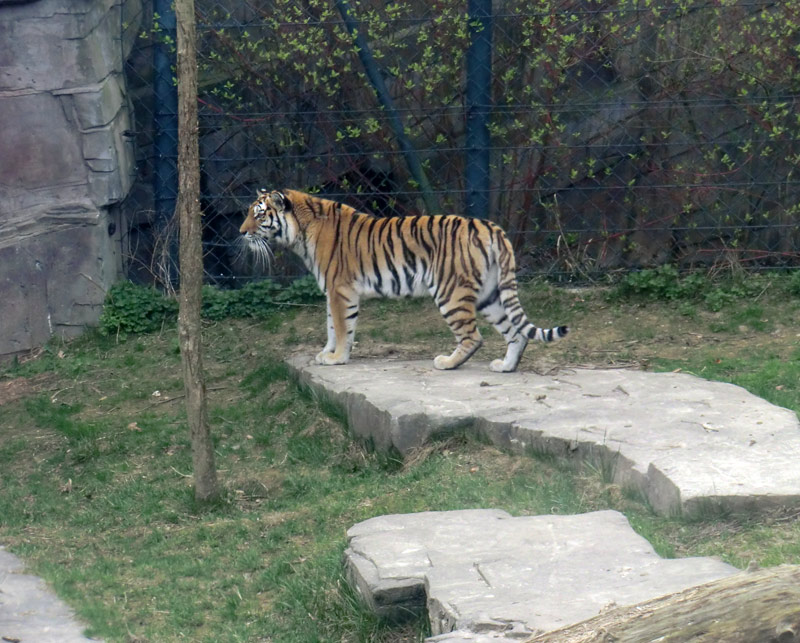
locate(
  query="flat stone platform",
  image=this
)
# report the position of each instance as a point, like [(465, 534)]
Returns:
[(484, 576), (685, 442), (30, 611)]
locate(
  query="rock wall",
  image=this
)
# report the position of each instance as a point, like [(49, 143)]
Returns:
[(66, 163)]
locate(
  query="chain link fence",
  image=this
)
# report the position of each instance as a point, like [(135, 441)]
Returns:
[(603, 135)]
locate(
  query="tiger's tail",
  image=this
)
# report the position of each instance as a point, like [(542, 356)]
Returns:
[(507, 285), (544, 334)]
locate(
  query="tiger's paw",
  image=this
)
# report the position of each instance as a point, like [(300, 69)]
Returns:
[(443, 362), (328, 358), (499, 366)]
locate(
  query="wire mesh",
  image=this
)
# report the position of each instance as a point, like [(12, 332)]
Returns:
[(621, 133)]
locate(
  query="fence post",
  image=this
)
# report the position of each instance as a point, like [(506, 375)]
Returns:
[(385, 99), (478, 104), (165, 124)]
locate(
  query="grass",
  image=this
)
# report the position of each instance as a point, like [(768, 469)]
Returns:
[(95, 459)]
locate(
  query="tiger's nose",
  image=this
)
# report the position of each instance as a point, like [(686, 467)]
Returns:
[(249, 225)]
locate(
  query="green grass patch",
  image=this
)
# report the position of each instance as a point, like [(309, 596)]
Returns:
[(95, 458)]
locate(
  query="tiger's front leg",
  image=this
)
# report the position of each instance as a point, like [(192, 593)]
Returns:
[(331, 343), (341, 319)]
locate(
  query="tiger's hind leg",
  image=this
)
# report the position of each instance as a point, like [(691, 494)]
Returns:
[(495, 313), (460, 316)]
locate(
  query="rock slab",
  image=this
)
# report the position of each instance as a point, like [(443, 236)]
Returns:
[(67, 163), (484, 575), (29, 611), (686, 443)]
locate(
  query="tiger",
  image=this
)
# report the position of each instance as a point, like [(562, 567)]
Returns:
[(467, 265)]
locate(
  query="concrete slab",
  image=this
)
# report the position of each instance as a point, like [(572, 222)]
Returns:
[(685, 442), (29, 611), (484, 575)]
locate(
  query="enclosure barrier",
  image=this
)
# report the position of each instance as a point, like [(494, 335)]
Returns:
[(603, 135)]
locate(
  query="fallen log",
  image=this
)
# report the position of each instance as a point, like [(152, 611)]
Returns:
[(760, 606)]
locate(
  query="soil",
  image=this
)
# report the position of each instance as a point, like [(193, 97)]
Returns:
[(19, 387)]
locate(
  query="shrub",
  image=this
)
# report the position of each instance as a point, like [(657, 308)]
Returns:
[(301, 291), (136, 309), (663, 282), (140, 309), (794, 283)]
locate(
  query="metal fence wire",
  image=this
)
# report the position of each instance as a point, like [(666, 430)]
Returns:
[(603, 135)]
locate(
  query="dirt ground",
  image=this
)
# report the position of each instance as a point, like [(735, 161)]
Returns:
[(603, 334), (20, 387)]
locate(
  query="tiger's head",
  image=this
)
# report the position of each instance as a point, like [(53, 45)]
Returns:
[(267, 219)]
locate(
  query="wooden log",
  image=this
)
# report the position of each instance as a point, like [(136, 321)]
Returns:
[(761, 606)]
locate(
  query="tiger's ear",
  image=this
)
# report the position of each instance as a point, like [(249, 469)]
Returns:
[(280, 201), (261, 192)]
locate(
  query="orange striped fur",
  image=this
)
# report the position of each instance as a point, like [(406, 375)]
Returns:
[(466, 265)]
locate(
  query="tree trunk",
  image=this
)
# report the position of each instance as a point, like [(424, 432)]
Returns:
[(191, 257), (752, 607)]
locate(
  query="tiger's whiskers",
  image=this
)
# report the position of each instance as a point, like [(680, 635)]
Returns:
[(260, 250)]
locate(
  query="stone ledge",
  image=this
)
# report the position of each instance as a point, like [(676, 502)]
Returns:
[(685, 443), (488, 576), (29, 611)]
